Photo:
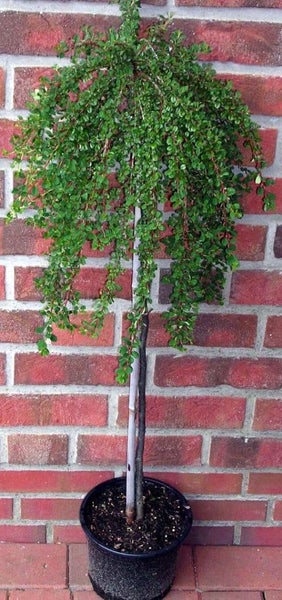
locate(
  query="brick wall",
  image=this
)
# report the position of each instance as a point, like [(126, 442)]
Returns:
[(214, 413)]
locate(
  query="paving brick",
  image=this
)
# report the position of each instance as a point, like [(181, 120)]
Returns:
[(239, 568), (3, 595), (34, 566), (273, 595), (85, 596), (231, 596), (78, 567), (184, 579), (37, 595)]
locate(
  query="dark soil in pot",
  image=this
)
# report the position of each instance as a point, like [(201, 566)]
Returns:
[(135, 562)]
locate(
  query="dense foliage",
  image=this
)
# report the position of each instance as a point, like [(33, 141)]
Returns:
[(135, 121)]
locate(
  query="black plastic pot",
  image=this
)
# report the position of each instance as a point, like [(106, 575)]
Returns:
[(126, 576)]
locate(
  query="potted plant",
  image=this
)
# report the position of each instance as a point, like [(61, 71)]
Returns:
[(135, 122)]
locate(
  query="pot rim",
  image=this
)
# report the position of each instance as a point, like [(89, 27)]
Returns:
[(132, 555)]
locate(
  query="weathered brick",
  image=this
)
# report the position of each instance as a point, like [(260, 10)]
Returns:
[(203, 483), (195, 412), (211, 329), (261, 536), (63, 409), (90, 281), (20, 238), (250, 242), (54, 509), (7, 130), (34, 369), (267, 98), (2, 87), (234, 41), (26, 81), (33, 566), (159, 450), (259, 287), (18, 326), (68, 534), (53, 481), (191, 370), (252, 203), (39, 33), (265, 483), (24, 283), (6, 508), (211, 535), (277, 513), (229, 510), (231, 3), (2, 189), (75, 338), (277, 248), (237, 453), (2, 369), (37, 449), (36, 594), (268, 414), (23, 534), (225, 330), (273, 333)]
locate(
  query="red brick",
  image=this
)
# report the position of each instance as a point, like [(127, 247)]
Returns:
[(18, 326), (2, 189), (231, 4), (261, 536), (269, 142), (7, 130), (252, 204), (203, 483), (277, 513), (75, 338), (229, 510), (277, 246), (36, 594), (268, 415), (27, 79), (20, 238), (90, 281), (24, 283), (33, 369), (250, 242), (181, 371), (84, 595), (6, 508), (78, 567), (272, 595), (236, 41), (2, 369), (53, 481), (211, 535), (33, 566), (169, 450), (246, 453), (2, 88), (225, 330), (265, 483), (38, 449), (273, 333), (2, 283), (39, 34), (238, 567), (267, 99), (195, 412), (54, 509), (68, 534), (23, 534), (185, 578), (256, 287), (231, 596), (63, 409)]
